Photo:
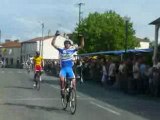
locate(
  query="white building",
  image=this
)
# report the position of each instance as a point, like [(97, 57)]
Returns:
[(10, 52), (29, 47), (144, 43)]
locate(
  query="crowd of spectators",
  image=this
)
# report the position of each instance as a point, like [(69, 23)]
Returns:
[(133, 75)]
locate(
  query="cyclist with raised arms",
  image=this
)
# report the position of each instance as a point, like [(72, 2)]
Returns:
[(66, 61)]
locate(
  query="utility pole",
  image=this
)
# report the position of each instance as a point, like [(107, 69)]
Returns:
[(80, 13), (42, 39), (0, 36), (49, 32)]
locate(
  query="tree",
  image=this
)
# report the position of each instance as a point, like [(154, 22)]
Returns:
[(147, 39), (105, 31)]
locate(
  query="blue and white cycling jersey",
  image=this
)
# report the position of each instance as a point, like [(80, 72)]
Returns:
[(66, 56)]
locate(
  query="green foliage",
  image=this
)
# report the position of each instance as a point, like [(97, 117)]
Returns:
[(104, 32)]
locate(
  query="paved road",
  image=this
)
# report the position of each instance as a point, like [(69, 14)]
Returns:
[(18, 101)]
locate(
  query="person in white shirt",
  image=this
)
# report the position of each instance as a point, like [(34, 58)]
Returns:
[(136, 76), (111, 74), (104, 73)]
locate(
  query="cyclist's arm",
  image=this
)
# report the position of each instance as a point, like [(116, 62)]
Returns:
[(53, 42), (54, 39), (81, 42), (42, 63), (33, 62)]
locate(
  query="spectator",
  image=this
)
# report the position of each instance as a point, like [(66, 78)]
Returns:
[(122, 74), (104, 73), (111, 74), (136, 76)]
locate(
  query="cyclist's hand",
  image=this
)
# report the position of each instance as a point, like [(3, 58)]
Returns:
[(80, 36), (57, 33)]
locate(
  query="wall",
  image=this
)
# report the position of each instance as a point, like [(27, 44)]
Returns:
[(14, 54), (143, 45), (28, 50), (49, 52)]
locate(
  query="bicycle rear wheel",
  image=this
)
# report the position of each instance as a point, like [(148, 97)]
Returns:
[(73, 101)]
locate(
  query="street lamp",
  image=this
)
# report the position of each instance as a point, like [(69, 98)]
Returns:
[(126, 19)]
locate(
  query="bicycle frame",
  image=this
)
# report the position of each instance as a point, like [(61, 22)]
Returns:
[(69, 93), (68, 82)]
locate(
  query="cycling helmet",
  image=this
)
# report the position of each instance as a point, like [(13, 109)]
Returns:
[(67, 42), (37, 53), (57, 33)]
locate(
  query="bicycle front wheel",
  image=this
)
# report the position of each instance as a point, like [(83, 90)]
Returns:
[(73, 101), (38, 82), (64, 100)]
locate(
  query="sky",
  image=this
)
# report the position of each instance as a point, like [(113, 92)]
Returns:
[(22, 19)]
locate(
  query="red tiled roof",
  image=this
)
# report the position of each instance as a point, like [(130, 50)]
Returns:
[(37, 39), (11, 44)]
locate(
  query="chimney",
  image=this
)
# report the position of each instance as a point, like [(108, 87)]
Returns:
[(7, 40), (16, 41)]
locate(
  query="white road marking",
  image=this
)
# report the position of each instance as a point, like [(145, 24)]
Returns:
[(20, 72), (35, 99), (105, 108), (10, 71), (28, 99), (2, 71), (56, 87)]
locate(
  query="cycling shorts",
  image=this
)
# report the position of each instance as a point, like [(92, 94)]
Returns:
[(38, 68), (67, 72)]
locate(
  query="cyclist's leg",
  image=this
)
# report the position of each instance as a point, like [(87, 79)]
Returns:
[(41, 70), (62, 77), (35, 75), (74, 83), (71, 76), (62, 82), (34, 80)]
